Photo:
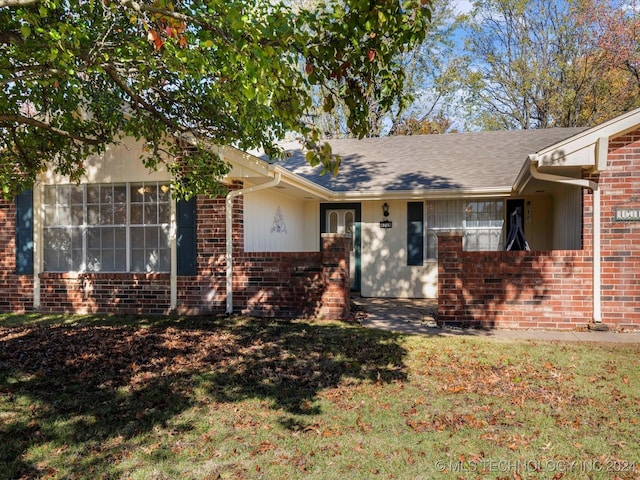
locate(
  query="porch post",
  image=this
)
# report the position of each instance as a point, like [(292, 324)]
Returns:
[(450, 271), (335, 303)]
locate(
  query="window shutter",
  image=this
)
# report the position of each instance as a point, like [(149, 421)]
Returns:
[(24, 233), (186, 241), (415, 233)]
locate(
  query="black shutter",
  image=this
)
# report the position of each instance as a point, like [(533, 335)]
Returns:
[(24, 233), (186, 242), (415, 233)]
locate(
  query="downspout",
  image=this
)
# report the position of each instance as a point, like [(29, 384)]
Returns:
[(229, 231), (593, 186)]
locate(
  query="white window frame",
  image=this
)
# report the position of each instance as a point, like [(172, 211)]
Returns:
[(459, 209), (161, 226)]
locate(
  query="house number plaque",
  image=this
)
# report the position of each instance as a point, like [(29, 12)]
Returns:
[(627, 214)]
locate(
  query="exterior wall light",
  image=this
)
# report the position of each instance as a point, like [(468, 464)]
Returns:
[(386, 223)]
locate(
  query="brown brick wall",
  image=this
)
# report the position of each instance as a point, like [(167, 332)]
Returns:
[(16, 291), (553, 289), (285, 284), (121, 293), (265, 284), (334, 303), (514, 289), (620, 188)]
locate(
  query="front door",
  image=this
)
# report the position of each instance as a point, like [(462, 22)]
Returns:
[(345, 218)]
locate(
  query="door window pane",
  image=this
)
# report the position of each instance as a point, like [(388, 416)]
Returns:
[(333, 222), (348, 221)]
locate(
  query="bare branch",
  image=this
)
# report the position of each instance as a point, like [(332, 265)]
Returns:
[(139, 7), (40, 73), (201, 21)]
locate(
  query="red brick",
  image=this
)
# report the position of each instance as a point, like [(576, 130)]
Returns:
[(566, 275)]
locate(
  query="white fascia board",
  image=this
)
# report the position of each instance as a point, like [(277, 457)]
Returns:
[(243, 165), (449, 193), (583, 149), (302, 183), (587, 149), (524, 175)]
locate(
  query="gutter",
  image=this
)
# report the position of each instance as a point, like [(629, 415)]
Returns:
[(229, 231), (593, 186)]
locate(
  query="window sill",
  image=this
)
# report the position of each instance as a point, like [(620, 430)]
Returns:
[(110, 275)]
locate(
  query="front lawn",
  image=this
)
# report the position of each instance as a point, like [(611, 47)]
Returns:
[(207, 398)]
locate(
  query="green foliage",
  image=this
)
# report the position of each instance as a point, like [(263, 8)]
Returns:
[(76, 76)]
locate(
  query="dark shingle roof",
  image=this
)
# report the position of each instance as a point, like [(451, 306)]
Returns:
[(473, 160)]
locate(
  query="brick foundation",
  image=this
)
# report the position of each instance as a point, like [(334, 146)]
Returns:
[(121, 293)]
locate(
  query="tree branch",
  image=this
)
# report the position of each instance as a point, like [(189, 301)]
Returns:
[(40, 73), (11, 38), (140, 8), (17, 3), (137, 99), (21, 119)]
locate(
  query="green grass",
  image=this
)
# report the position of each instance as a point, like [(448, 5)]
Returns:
[(204, 398)]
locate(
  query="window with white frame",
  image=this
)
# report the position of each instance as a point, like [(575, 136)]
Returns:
[(107, 227), (481, 222)]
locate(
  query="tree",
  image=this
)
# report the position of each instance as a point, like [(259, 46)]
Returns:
[(424, 126), (430, 74), (616, 32), (76, 76), (538, 64)]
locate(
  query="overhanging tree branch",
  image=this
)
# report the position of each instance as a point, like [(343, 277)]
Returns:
[(141, 8), (227, 73), (137, 99), (22, 120), (17, 3)]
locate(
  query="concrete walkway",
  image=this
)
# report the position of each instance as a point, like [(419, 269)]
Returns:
[(417, 316)]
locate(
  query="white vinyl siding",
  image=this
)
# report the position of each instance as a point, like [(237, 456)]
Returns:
[(277, 223), (567, 219)]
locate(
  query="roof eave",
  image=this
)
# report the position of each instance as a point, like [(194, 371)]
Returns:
[(588, 149), (420, 194), (524, 175)]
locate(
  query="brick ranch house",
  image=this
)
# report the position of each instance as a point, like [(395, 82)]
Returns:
[(524, 229)]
